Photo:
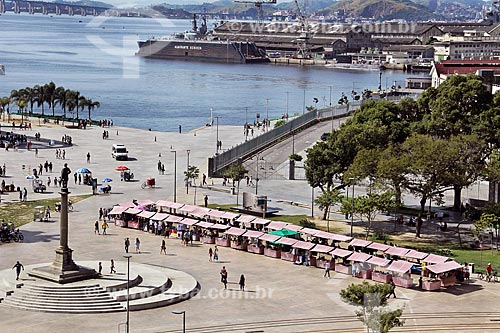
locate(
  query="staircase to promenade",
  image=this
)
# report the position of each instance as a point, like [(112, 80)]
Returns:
[(150, 287)]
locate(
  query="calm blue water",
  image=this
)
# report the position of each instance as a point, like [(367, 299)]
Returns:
[(96, 57)]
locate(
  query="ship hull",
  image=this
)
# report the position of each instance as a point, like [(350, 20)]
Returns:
[(211, 51)]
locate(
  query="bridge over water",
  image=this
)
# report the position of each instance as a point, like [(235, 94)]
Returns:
[(46, 8)]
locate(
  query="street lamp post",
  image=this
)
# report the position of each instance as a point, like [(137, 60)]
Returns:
[(128, 256), (352, 205), (183, 313), (187, 171), (330, 96), (246, 123), (257, 176), (287, 94), (175, 174), (217, 135), (267, 108)]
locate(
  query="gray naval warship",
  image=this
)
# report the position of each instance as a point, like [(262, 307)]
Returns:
[(199, 45)]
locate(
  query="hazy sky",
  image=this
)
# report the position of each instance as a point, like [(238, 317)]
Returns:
[(144, 3)]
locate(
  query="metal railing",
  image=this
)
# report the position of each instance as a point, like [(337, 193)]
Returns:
[(252, 146)]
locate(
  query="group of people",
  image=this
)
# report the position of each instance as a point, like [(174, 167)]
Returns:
[(106, 123), (60, 154), (67, 139), (12, 140), (223, 279)]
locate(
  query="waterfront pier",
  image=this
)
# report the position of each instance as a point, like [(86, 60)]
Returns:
[(46, 8)]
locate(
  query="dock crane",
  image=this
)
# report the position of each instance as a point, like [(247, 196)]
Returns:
[(258, 4), (305, 34)]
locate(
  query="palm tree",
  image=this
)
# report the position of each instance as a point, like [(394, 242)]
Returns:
[(31, 95), (39, 92), (4, 102), (60, 98), (91, 105), (50, 95)]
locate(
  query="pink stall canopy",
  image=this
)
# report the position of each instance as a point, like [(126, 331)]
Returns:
[(341, 253), (214, 213), (204, 224), (187, 221), (260, 221), (276, 225), (229, 215), (253, 234), (145, 202), (235, 231), (219, 226), (127, 204), (309, 231), (169, 204), (175, 219), (287, 241), (293, 227), (188, 208), (400, 266), (145, 214), (117, 210), (269, 237), (303, 245), (159, 216), (359, 242), (416, 254), (435, 259), (322, 248), (397, 251), (245, 219), (359, 256), (132, 211), (378, 246), (444, 267), (200, 212), (334, 237), (377, 261)]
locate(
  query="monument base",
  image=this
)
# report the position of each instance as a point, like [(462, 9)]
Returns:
[(63, 269)]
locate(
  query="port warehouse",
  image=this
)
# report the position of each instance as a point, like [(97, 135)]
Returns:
[(328, 40)]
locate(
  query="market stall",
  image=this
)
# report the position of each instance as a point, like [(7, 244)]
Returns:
[(287, 252), (144, 217), (130, 217), (271, 249), (244, 220), (214, 215), (207, 235), (375, 247), (186, 209), (117, 213), (293, 227), (236, 239), (254, 245), (378, 265), (342, 267), (229, 217), (401, 275), (359, 243), (413, 254), (168, 206), (360, 268), (217, 230), (334, 238), (319, 252), (183, 225), (276, 225), (302, 251), (397, 252), (445, 274), (199, 213)]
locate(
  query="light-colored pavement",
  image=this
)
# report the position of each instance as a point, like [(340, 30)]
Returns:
[(281, 296)]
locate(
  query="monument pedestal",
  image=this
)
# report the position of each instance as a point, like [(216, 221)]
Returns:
[(63, 269)]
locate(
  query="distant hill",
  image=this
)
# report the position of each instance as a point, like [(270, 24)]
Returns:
[(382, 10), (89, 3)]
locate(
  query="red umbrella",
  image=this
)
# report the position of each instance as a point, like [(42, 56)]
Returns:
[(121, 168)]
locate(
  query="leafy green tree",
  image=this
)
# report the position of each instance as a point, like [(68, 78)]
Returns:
[(328, 199), (192, 172), (372, 298), (236, 172)]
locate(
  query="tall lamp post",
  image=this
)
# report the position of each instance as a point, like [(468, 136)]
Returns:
[(187, 171), (217, 136), (287, 94), (175, 174), (257, 176), (330, 96), (183, 313), (128, 256), (352, 205)]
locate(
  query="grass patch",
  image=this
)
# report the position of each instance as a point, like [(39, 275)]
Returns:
[(21, 213)]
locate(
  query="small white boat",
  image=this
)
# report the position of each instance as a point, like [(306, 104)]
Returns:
[(2, 69)]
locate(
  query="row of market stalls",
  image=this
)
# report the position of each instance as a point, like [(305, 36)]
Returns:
[(304, 246)]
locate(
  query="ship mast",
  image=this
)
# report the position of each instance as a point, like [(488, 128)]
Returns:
[(305, 34)]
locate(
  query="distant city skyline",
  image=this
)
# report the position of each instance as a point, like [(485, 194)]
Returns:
[(142, 3)]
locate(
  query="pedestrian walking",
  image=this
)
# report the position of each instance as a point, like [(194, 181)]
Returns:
[(88, 157), (18, 266), (100, 268), (25, 194), (137, 245), (104, 226), (206, 200), (36, 152), (96, 227), (76, 177), (204, 179), (163, 247), (210, 254), (242, 282), (20, 195), (393, 288), (327, 269), (79, 179), (101, 213), (223, 276), (48, 182), (112, 267), (216, 253), (127, 244)]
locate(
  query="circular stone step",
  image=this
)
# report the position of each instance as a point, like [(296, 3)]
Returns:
[(150, 287)]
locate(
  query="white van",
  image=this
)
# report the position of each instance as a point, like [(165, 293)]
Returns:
[(119, 152)]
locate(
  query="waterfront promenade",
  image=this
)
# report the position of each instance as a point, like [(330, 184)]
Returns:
[(281, 297)]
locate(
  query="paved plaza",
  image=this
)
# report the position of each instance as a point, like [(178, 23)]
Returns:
[(279, 296)]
